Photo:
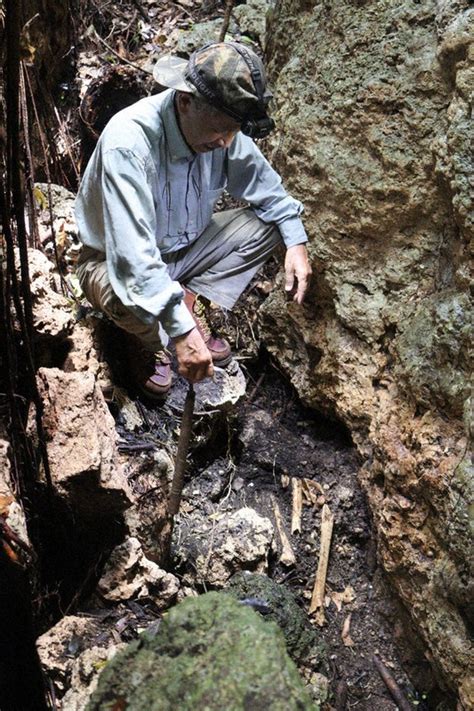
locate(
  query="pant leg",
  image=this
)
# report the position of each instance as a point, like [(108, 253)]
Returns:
[(228, 254), (94, 280)]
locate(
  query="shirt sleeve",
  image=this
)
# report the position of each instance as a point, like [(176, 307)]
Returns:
[(252, 179), (137, 273)]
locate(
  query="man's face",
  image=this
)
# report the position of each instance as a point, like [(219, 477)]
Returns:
[(205, 131)]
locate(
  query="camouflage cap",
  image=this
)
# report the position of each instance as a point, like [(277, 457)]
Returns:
[(228, 75)]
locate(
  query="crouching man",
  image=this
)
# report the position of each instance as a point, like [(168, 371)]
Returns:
[(154, 254)]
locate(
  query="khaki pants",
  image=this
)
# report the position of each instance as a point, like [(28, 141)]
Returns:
[(218, 266)]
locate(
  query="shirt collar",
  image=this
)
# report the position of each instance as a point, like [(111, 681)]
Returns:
[(178, 148)]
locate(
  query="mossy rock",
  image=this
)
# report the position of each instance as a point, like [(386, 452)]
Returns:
[(210, 653), (281, 607)]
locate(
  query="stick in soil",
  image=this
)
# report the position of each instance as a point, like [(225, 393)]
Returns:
[(297, 504), (317, 599), (177, 484), (392, 685), (183, 444), (287, 555)]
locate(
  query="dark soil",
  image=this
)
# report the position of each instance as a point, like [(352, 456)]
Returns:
[(246, 458), (288, 440)]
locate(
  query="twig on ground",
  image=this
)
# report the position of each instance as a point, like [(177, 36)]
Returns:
[(287, 556), (392, 685), (116, 54), (317, 599), (255, 388), (226, 20), (297, 504)]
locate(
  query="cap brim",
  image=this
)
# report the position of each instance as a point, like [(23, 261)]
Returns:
[(169, 71)]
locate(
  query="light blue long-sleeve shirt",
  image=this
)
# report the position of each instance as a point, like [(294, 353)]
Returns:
[(146, 193)]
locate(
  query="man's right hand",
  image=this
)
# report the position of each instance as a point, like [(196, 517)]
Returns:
[(194, 359)]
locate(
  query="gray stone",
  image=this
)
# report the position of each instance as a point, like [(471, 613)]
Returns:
[(64, 225), (81, 441), (52, 314), (251, 18), (221, 392), (200, 34), (214, 549), (129, 574), (71, 659)]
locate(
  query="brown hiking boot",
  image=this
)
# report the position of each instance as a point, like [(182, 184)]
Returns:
[(218, 347), (151, 372)]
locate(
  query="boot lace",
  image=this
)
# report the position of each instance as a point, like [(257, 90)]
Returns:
[(200, 316)]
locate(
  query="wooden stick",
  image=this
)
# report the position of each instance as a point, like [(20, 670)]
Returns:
[(287, 555), (392, 685), (297, 504), (183, 444), (317, 599), (226, 20)]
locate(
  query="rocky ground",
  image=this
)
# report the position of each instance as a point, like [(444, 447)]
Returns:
[(255, 448), (253, 444)]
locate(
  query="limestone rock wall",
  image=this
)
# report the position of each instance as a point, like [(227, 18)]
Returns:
[(373, 105)]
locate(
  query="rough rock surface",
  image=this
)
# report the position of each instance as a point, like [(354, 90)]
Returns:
[(70, 662), (52, 317), (129, 574), (251, 18), (213, 550), (374, 114), (210, 652), (58, 646), (277, 603), (81, 443), (64, 223), (10, 510), (85, 676)]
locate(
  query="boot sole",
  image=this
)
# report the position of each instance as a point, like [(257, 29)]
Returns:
[(224, 362)]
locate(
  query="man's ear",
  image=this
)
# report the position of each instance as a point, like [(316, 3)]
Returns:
[(184, 102)]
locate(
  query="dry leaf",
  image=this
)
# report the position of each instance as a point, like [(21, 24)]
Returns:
[(311, 492), (40, 198), (346, 596)]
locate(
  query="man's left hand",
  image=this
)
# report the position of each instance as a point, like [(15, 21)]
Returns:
[(297, 272)]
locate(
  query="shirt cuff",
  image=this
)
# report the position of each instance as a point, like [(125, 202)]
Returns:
[(177, 320), (292, 231)]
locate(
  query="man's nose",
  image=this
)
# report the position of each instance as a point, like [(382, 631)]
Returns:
[(226, 139)]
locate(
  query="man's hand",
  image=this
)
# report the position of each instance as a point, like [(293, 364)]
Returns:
[(297, 272), (194, 359)]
